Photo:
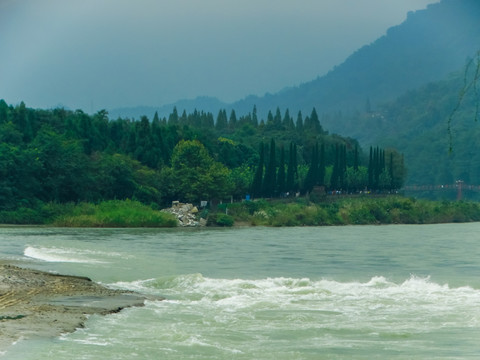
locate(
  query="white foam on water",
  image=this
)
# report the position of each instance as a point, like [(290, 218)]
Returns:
[(280, 318), (56, 254), (378, 302)]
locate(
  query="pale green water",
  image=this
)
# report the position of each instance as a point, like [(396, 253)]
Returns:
[(354, 292)]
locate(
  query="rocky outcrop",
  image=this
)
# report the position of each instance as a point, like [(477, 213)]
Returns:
[(36, 304), (187, 214)]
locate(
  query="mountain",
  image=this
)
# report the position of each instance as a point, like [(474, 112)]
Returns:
[(426, 47), (436, 127)]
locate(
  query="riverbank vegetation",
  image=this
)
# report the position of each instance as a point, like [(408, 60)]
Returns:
[(362, 210), (62, 156), (68, 168), (112, 213), (332, 210)]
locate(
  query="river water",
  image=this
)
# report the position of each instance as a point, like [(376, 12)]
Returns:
[(354, 292)]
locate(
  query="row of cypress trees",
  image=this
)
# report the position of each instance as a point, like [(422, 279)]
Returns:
[(273, 179)]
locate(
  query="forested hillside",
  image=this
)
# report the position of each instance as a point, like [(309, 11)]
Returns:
[(68, 156), (436, 127), (426, 47)]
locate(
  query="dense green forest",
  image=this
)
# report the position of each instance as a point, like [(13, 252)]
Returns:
[(436, 127), (62, 156)]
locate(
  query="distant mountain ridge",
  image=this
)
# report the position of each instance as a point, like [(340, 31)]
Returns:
[(426, 47), (440, 144), (201, 103)]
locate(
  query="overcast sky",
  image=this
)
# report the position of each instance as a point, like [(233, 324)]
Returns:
[(94, 54)]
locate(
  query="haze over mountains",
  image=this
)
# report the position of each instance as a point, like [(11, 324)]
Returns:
[(426, 47), (399, 91)]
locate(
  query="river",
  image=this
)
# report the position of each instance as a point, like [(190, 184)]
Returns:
[(353, 292)]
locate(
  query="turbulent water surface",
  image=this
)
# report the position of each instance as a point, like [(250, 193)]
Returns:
[(267, 293)]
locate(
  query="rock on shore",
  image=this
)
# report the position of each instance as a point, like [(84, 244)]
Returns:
[(39, 304), (186, 214)]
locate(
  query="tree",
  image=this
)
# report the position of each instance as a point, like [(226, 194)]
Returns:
[(281, 173), (299, 124), (277, 120), (62, 166), (256, 189), (370, 169), (254, 116), (312, 123), (470, 81), (233, 120), (241, 177), (321, 166), (288, 121), (3, 111), (270, 124), (196, 175), (222, 121), (269, 182), (290, 183), (173, 118), (312, 175), (337, 180)]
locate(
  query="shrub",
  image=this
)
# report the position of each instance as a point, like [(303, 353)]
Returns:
[(116, 213), (223, 220)]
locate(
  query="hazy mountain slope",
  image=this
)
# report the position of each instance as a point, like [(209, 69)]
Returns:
[(426, 47), (417, 125)]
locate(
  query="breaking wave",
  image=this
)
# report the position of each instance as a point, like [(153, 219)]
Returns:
[(56, 254)]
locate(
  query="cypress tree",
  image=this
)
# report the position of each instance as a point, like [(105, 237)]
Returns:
[(315, 122), (376, 167), (343, 166), (287, 121), (355, 159), (256, 190), (312, 175), (233, 120), (173, 118), (290, 183), (321, 166), (254, 116), (334, 181), (156, 119), (370, 169), (277, 120), (296, 180), (299, 124), (183, 119), (270, 122), (221, 123), (3, 111), (392, 186), (270, 173), (281, 172)]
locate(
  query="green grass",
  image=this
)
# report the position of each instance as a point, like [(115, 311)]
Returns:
[(353, 211), (286, 212), (115, 213)]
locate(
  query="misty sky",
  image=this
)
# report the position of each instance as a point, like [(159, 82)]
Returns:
[(94, 54)]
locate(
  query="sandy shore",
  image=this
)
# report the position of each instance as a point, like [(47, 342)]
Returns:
[(39, 304)]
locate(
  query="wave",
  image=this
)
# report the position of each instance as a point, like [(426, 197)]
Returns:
[(296, 316), (378, 295), (55, 254)]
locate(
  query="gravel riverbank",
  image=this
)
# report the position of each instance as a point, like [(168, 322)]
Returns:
[(39, 304)]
